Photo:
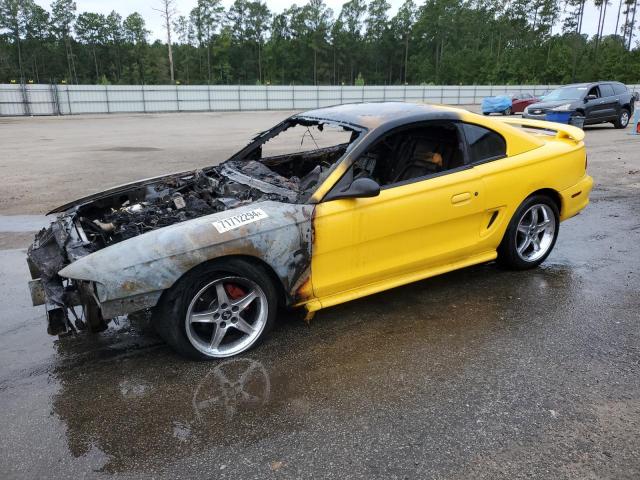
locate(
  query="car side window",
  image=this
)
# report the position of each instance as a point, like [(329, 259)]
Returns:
[(484, 144), (407, 154), (619, 89), (594, 91), (607, 90)]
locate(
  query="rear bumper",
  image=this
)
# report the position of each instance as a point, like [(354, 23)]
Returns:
[(575, 198)]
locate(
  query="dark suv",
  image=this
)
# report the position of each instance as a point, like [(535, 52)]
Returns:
[(598, 102)]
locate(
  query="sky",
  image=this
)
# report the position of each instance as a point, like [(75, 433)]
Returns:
[(154, 22)]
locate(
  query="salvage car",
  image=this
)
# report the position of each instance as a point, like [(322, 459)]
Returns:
[(598, 102), (362, 198), (521, 101), (506, 105), (497, 104)]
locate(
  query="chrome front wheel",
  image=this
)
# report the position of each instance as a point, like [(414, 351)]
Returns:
[(226, 316), (218, 309)]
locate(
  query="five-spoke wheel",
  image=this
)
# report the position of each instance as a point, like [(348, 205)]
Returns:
[(531, 234), (536, 232), (226, 316), (218, 309)]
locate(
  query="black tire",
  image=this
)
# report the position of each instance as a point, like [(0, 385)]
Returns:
[(623, 119), (508, 254), (507, 111), (170, 313)]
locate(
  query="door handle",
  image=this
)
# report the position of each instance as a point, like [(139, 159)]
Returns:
[(461, 198)]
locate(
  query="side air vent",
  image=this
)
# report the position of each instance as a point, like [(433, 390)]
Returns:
[(494, 215)]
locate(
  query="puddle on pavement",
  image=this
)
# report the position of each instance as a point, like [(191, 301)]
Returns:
[(377, 351)]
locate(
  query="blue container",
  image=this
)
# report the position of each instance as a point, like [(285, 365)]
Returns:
[(558, 117)]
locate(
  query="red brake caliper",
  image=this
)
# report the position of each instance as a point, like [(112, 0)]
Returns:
[(234, 291)]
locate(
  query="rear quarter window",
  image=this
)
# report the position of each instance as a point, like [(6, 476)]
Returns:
[(619, 89), (606, 90), (484, 144)]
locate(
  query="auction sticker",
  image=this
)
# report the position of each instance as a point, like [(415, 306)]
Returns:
[(239, 220)]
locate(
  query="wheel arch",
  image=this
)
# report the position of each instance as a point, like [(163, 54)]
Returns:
[(506, 246), (283, 297), (551, 193), (547, 192)]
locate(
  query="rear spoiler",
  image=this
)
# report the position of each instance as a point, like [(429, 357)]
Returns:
[(563, 131)]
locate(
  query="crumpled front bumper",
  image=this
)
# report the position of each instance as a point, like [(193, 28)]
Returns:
[(54, 248)]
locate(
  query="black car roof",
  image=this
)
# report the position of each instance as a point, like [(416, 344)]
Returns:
[(378, 114), (590, 83)]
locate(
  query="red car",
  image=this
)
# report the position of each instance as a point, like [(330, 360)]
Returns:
[(522, 100)]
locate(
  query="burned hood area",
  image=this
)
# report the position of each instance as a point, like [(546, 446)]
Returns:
[(102, 220)]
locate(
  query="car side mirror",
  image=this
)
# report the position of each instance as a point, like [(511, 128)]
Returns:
[(362, 187), (590, 97)]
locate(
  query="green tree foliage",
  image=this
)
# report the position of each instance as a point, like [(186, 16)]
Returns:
[(63, 14), (91, 29), (422, 42), (136, 35)]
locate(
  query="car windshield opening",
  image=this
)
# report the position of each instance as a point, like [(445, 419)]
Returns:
[(296, 155)]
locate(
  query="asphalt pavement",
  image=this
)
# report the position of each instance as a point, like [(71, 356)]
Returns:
[(480, 373)]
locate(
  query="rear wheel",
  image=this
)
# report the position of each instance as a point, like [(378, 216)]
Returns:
[(623, 119), (507, 111), (531, 234), (218, 310)]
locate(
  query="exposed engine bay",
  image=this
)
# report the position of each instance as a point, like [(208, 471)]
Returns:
[(177, 199), (93, 223)]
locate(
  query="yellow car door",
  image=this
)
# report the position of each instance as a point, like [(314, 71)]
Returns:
[(407, 232)]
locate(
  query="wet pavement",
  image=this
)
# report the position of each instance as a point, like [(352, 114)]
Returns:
[(480, 373)]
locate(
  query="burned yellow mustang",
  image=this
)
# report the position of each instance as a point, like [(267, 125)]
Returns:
[(327, 206)]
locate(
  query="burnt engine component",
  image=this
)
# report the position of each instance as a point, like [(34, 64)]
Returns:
[(165, 204)]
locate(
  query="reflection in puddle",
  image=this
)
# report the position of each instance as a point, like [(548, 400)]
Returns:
[(138, 414), (230, 386)]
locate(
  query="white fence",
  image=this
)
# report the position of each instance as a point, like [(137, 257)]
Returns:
[(54, 99)]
